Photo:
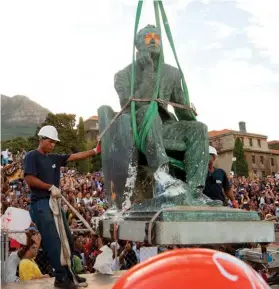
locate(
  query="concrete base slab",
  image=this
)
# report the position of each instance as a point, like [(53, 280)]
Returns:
[(94, 281), (194, 233)]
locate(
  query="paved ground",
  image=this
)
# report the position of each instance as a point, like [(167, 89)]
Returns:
[(94, 281)]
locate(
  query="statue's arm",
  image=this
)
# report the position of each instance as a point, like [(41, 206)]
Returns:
[(122, 85), (178, 97)]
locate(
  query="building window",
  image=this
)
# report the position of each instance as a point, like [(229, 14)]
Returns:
[(250, 142), (253, 159), (263, 173), (272, 162), (262, 160), (241, 138), (259, 143), (255, 172)]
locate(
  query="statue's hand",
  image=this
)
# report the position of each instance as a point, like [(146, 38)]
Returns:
[(145, 60)]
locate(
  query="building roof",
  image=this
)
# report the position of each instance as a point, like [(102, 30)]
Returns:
[(274, 152), (94, 117), (214, 133), (273, 142)]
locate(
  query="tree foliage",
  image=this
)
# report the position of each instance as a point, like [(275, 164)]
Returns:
[(240, 166), (16, 144), (274, 146), (72, 140), (83, 166)]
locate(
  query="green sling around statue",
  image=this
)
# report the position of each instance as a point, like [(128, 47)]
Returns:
[(165, 132), (173, 148)]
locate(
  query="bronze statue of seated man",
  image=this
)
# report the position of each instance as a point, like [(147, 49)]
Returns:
[(167, 137)]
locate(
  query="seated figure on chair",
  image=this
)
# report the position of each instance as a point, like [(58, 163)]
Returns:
[(166, 135)]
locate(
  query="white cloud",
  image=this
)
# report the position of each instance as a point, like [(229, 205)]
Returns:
[(64, 54), (264, 27), (214, 45), (239, 54), (222, 30)]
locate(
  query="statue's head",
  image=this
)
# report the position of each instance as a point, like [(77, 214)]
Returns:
[(149, 39)]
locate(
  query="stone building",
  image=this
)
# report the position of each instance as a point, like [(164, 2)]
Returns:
[(262, 160), (91, 127)]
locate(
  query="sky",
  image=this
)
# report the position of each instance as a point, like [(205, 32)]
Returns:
[(64, 54)]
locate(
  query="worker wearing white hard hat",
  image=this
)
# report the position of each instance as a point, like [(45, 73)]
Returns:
[(42, 174), (217, 185), (49, 132), (212, 151)]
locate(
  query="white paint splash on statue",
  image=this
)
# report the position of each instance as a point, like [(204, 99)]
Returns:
[(129, 187)]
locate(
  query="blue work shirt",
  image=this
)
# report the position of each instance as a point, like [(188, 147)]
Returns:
[(45, 167), (216, 182)]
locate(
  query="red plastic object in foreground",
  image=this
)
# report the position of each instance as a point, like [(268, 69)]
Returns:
[(191, 269)]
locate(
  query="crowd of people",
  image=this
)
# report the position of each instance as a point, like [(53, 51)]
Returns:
[(87, 194), (257, 194)]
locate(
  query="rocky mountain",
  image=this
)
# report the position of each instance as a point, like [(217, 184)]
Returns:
[(20, 116)]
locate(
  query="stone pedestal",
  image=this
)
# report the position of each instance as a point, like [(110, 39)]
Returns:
[(193, 226)]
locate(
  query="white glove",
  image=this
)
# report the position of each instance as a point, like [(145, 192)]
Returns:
[(55, 192)]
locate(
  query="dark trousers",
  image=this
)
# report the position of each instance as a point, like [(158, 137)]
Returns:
[(42, 216)]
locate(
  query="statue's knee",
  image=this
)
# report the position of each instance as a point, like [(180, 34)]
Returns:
[(198, 125), (105, 113)]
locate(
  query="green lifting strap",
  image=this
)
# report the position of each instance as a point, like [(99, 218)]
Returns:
[(152, 111)]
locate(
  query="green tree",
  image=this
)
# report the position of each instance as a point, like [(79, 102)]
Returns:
[(16, 144), (240, 166), (65, 125), (83, 166), (274, 146)]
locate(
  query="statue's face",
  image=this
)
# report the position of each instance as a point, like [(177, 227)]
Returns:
[(152, 41), (149, 40)]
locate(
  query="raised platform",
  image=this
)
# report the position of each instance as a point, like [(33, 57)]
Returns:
[(94, 281), (193, 226)]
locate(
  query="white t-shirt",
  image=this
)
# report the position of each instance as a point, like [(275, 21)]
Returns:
[(87, 201), (10, 157), (115, 266), (5, 154), (137, 252), (11, 267), (262, 201)]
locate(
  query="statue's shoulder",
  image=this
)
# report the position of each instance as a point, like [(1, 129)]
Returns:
[(171, 70), (123, 72)]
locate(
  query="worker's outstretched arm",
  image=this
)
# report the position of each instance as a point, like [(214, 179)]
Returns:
[(85, 155), (82, 155)]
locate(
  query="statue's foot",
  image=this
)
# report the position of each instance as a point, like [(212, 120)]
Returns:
[(171, 188), (177, 194)]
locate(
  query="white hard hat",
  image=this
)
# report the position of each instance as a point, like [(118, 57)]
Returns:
[(212, 151), (49, 131)]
